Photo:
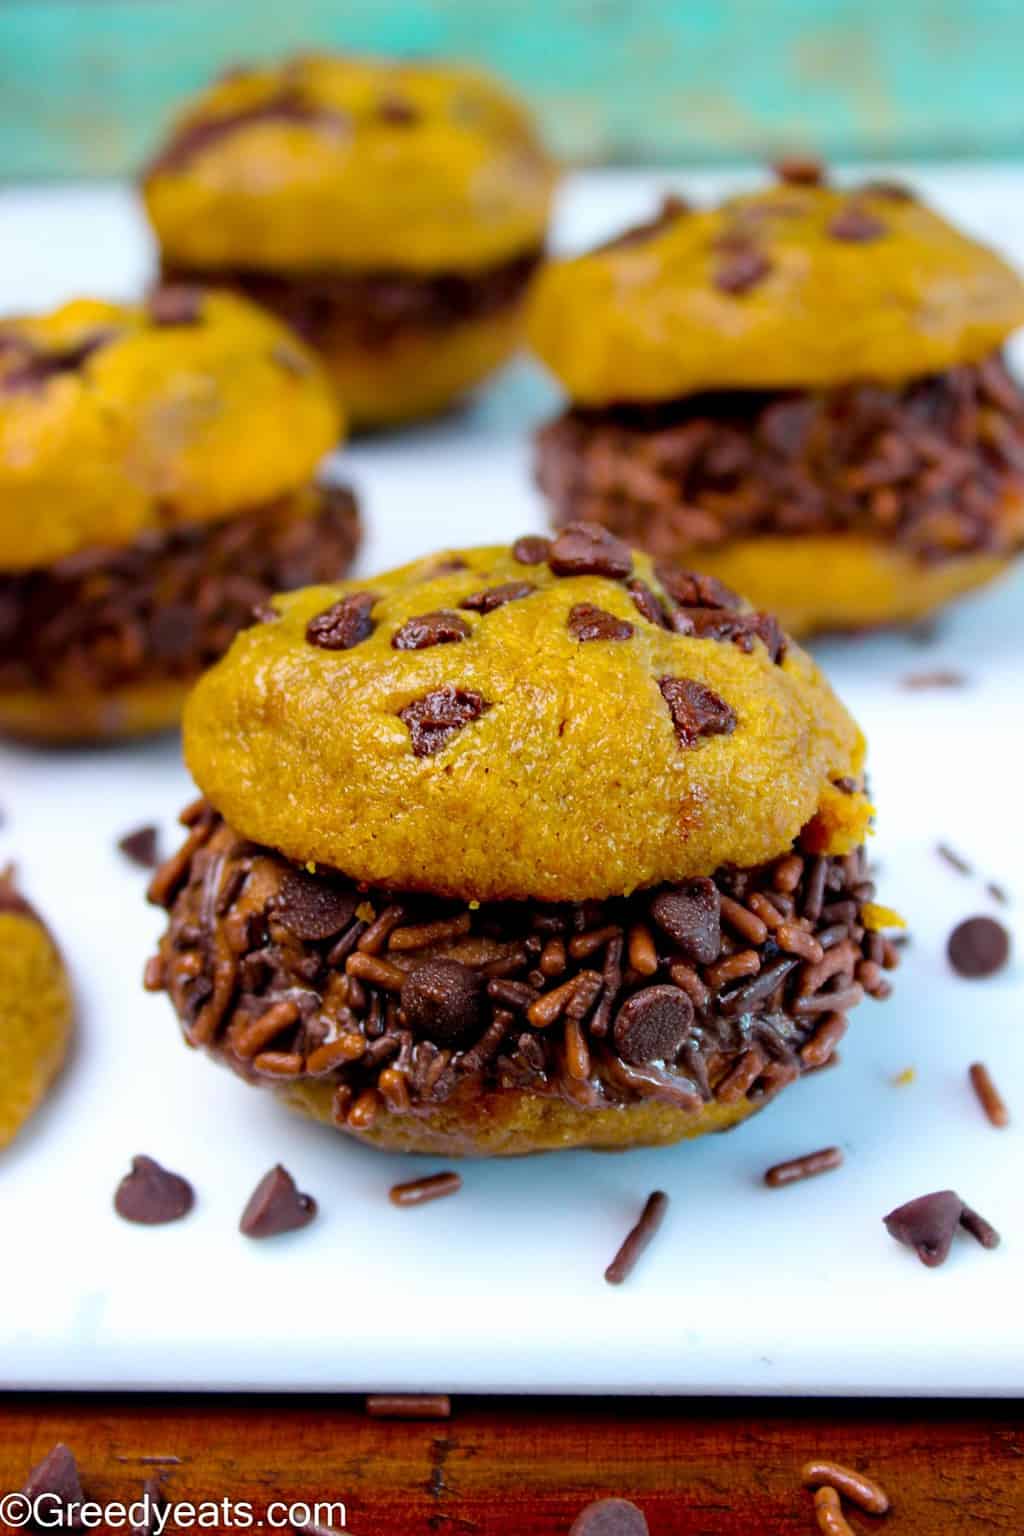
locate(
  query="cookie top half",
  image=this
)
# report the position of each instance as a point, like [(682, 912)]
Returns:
[(116, 420), (327, 161), (792, 286), (555, 721)]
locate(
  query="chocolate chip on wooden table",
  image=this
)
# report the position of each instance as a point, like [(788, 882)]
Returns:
[(442, 627), (691, 915), (497, 597), (652, 1025), (433, 720), (856, 223), (276, 1206), (57, 1476), (609, 1517), (151, 1195), (140, 846), (586, 549), (312, 908), (176, 304), (345, 624), (443, 1001), (696, 711), (977, 947), (588, 622)]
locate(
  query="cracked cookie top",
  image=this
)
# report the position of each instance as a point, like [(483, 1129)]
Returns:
[(556, 721), (326, 161), (120, 420), (796, 285)]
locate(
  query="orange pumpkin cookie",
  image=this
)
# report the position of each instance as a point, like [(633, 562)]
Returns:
[(36, 1010)]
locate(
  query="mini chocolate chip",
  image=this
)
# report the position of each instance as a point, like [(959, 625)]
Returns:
[(928, 1225), (891, 191), (647, 603), (800, 170), (151, 1195), (587, 622), (610, 1517), (497, 597), (857, 224), (433, 720), (313, 908), (343, 625), (141, 847), (442, 627), (531, 549), (652, 1025), (696, 711), (276, 1206), (741, 628), (691, 915), (176, 304), (740, 268), (979, 946), (693, 590), (396, 110), (443, 1001), (586, 549), (57, 1476)]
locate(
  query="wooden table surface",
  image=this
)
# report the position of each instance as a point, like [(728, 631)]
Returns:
[(527, 1465)]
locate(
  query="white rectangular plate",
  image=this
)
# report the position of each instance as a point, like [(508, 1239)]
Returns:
[(501, 1288)]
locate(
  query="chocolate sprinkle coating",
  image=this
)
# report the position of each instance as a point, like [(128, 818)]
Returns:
[(696, 710), (345, 624), (443, 1001), (584, 549), (691, 915), (151, 1195), (652, 1025), (609, 1517), (439, 715), (276, 1206), (978, 947), (588, 622), (439, 628)]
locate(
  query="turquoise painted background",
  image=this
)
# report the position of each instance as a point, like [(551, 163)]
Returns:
[(86, 86)]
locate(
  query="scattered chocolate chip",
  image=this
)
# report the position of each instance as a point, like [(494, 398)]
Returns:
[(151, 1195), (57, 1476), (696, 711), (928, 1225), (313, 908), (739, 268), (647, 604), (741, 628), (176, 304), (433, 720), (691, 915), (652, 1025), (442, 627), (856, 223), (609, 1517), (588, 622), (409, 1405), (343, 625), (420, 1191), (442, 1000), (397, 111), (497, 597), (690, 589), (276, 1206), (800, 171), (979, 946), (141, 847), (586, 549), (638, 1238), (806, 1167), (531, 549)]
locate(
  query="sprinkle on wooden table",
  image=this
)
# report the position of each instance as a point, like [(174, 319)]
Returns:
[(651, 1218), (409, 1405), (829, 1513), (805, 1167), (420, 1191), (989, 1096), (856, 1486)]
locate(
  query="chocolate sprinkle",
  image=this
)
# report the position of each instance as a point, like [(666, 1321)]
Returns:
[(638, 1239), (409, 1405), (175, 304), (988, 1095), (588, 622), (609, 1517), (152, 1196), (420, 1191), (441, 627), (140, 846), (345, 624), (928, 1225), (978, 947), (442, 1000), (433, 720), (312, 908), (276, 1206), (652, 1025), (497, 597), (805, 1167), (696, 710), (586, 549), (56, 1475)]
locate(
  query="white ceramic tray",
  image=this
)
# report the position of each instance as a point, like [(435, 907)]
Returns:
[(745, 1290)]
